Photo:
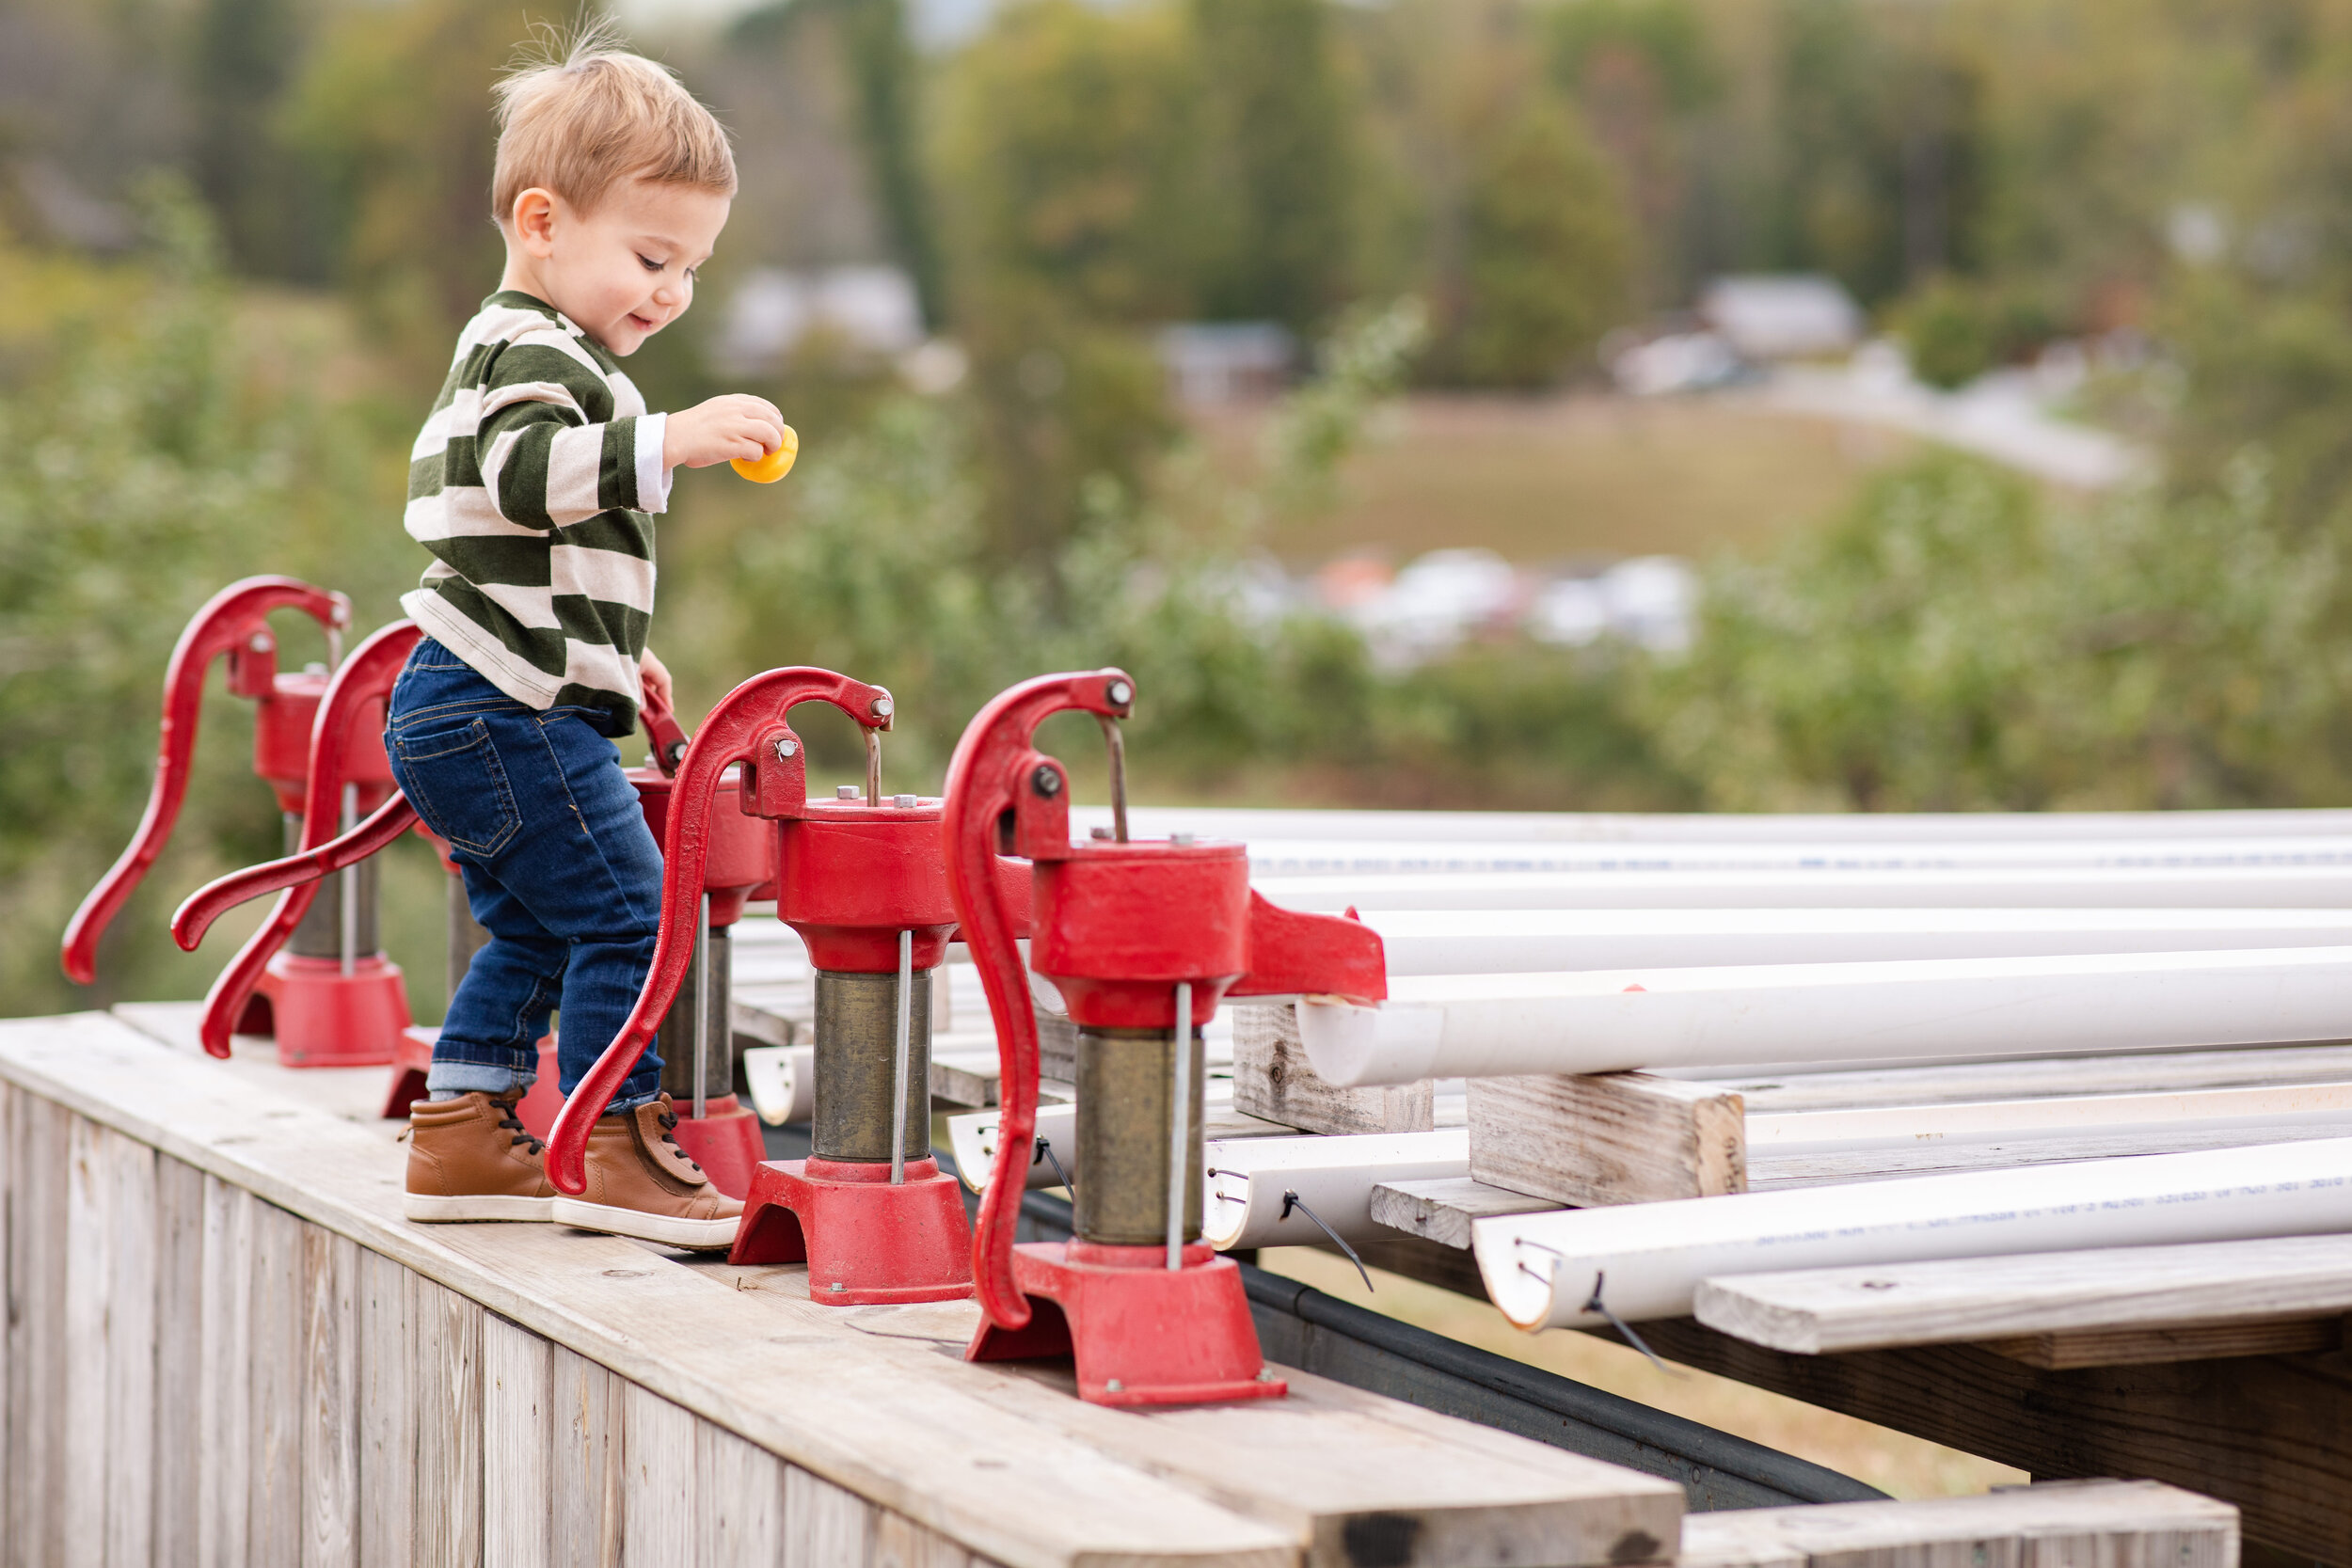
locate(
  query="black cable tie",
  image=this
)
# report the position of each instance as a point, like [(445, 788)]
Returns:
[(1291, 1200), (1624, 1330), (1046, 1152)]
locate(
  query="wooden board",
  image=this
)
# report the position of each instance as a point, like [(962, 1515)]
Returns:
[(2041, 1077), (1274, 1081), (2271, 1434), (2027, 1527), (2146, 1347), (891, 1420), (1814, 1311), (1443, 1210), (1602, 1138)]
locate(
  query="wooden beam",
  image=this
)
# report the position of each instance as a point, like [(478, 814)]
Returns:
[(2132, 1290), (2146, 1347), (1274, 1081), (1443, 1210), (2272, 1434), (1593, 1139), (2060, 1522)]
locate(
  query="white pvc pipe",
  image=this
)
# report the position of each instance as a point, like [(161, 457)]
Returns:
[(1535, 827), (1246, 1179), (2278, 887), (972, 1138), (1647, 1259), (1407, 856), (1613, 1020), (1505, 942), (783, 1080)]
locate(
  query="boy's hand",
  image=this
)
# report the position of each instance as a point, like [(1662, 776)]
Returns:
[(731, 425), (656, 676)]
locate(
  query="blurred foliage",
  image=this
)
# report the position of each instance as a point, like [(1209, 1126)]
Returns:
[(1954, 330)]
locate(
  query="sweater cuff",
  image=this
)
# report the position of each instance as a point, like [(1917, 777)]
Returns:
[(653, 480)]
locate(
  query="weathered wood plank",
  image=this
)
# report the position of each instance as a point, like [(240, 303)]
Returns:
[(2136, 1522), (129, 1354), (824, 1525), (2049, 1077), (331, 1498), (2268, 1433), (10, 1139), (40, 1195), (1601, 1138), (740, 1521), (661, 1501), (1443, 1210), (2145, 1346), (179, 1433), (387, 1432), (446, 1379), (518, 1427), (1814, 1311), (1274, 1081), (900, 1543), (274, 1474), (585, 1460), (224, 1465), (90, 1255)]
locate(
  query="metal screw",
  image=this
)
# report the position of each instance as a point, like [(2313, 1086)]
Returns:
[(1114, 1386), (906, 803), (1119, 693), (1265, 1374), (260, 643), (1046, 780), (845, 792), (836, 1285), (784, 748), (881, 707)]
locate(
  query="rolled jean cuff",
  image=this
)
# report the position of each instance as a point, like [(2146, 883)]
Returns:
[(635, 1093), (466, 1077)]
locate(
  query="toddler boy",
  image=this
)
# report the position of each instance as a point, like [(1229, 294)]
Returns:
[(533, 485)]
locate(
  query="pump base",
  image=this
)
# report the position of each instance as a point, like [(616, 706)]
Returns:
[(725, 1142), (325, 1018), (1142, 1332), (866, 1240)]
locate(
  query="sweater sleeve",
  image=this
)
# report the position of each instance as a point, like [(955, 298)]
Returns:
[(552, 454)]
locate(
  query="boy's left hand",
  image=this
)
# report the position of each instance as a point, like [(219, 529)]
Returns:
[(656, 676)]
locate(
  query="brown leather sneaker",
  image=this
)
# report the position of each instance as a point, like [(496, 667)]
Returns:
[(641, 1184), (469, 1159)]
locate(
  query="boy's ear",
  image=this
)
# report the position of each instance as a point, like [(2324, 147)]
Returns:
[(531, 224)]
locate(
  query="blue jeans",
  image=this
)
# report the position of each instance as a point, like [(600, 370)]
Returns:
[(559, 868)]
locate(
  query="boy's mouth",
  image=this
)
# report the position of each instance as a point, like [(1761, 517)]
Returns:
[(640, 322)]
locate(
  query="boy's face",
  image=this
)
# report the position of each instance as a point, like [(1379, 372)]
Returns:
[(626, 270)]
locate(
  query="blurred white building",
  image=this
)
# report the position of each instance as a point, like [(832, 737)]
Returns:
[(1767, 317), (870, 312), (1214, 362)]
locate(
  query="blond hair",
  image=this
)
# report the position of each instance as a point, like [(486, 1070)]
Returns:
[(578, 116)]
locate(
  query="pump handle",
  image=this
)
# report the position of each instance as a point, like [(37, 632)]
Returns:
[(207, 904), (231, 622), (364, 678), (748, 726), (1005, 795), (663, 730)]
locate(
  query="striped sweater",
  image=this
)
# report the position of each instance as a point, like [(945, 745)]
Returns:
[(532, 484)]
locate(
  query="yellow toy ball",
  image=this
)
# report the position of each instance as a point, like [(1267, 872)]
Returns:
[(768, 469)]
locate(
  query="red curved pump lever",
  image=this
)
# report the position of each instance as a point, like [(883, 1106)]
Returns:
[(1000, 801), (216, 898), (748, 726), (233, 622), (365, 678)]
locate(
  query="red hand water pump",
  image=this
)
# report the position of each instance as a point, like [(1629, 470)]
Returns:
[(861, 880), (1142, 939)]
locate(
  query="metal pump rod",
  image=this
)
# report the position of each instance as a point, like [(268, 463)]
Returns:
[(349, 947), (873, 766), (702, 1007), (1117, 744), (1180, 1122), (899, 1050)]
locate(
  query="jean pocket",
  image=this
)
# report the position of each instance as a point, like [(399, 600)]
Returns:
[(458, 785)]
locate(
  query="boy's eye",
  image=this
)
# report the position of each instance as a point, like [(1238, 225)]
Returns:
[(652, 265)]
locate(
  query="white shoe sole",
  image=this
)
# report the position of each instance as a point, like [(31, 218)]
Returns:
[(668, 1229), (438, 1211)]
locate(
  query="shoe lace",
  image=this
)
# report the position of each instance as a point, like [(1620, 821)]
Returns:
[(511, 1118), (669, 1121)]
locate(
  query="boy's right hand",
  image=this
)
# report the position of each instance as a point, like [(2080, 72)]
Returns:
[(731, 425)]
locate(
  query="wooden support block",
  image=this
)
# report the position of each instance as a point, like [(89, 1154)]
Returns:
[(518, 1427), (388, 1425), (824, 1525), (273, 1461), (1056, 1046), (741, 1521), (2081, 1298), (2146, 1347), (1274, 1081), (964, 1071), (34, 1532), (1444, 1209), (446, 1398), (178, 1357), (661, 1501), (585, 1458), (2050, 1526), (331, 1501), (1591, 1139), (225, 1375)]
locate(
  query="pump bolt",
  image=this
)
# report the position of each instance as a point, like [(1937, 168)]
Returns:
[(258, 642), (847, 792), (905, 802), (881, 707), (1045, 782), (1265, 1374), (836, 1285), (1119, 693), (784, 748), (1116, 1387)]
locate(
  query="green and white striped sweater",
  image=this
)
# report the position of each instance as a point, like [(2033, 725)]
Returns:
[(532, 484)]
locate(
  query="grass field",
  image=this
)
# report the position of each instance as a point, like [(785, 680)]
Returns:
[(1893, 1462), (1581, 476)]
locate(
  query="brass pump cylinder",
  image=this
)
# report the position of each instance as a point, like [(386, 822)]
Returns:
[(320, 932), (857, 1032), (674, 1040), (1126, 1093)]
